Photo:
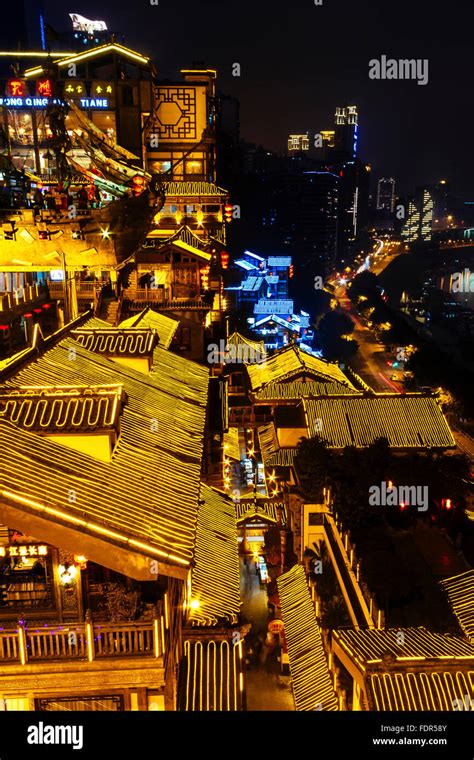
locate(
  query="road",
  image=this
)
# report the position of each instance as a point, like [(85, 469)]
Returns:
[(370, 362)]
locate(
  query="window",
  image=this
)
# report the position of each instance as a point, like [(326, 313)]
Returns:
[(160, 166), (193, 167), (26, 579)]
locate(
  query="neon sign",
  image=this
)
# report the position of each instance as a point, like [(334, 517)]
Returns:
[(16, 88), (24, 550), (36, 102), (44, 88)]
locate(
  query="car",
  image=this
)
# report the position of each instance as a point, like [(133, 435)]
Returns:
[(397, 378)]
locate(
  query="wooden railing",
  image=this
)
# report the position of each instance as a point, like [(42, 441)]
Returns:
[(161, 296), (21, 297), (245, 415), (9, 646), (86, 641), (123, 640), (146, 294)]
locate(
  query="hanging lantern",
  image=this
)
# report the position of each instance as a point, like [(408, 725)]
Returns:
[(200, 216), (228, 212), (224, 259)]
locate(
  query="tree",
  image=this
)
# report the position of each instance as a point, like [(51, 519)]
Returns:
[(363, 284), (332, 334)]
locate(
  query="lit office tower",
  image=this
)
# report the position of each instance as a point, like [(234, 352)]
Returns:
[(427, 215), (386, 194), (411, 229), (419, 221), (298, 143), (346, 132)]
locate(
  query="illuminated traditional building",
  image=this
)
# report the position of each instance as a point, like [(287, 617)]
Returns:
[(405, 669), (110, 84), (110, 539)]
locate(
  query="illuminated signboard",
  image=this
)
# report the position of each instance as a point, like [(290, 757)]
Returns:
[(24, 550), (89, 103), (82, 24), (74, 89), (44, 88), (16, 88)]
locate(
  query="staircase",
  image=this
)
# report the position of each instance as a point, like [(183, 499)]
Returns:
[(110, 312)]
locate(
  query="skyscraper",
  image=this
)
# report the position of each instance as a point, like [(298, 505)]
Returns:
[(297, 143), (347, 132), (386, 194), (419, 217)]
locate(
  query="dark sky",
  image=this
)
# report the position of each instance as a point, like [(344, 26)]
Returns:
[(299, 61)]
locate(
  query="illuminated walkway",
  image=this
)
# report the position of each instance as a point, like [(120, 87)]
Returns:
[(266, 687)]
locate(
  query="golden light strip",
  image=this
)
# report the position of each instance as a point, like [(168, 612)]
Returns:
[(90, 526), (34, 54), (74, 58)]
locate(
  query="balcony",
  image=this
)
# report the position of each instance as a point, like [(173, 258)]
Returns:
[(84, 662), (160, 297), (84, 641), (239, 415)]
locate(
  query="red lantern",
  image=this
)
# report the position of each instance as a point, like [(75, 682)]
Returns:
[(228, 212), (224, 259), (138, 184)]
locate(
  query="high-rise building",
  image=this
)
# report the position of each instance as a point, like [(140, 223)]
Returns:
[(298, 143), (419, 217), (347, 132), (386, 194)]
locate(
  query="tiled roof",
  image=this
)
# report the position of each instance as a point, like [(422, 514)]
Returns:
[(193, 188), (268, 441), (279, 261), (432, 691), (62, 409), (289, 362), (237, 339), (218, 593), (261, 506), (460, 592), (247, 265), (212, 676), (296, 390), (252, 283), (406, 421), (148, 492), (117, 341), (274, 306), (231, 444), (312, 683), (281, 458), (368, 646), (149, 319)]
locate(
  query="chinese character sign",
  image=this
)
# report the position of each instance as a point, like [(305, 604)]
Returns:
[(44, 88), (16, 88), (24, 550)]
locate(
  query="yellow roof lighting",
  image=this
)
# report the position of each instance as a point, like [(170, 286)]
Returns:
[(86, 54)]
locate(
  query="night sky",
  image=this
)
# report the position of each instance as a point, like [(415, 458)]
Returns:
[(299, 61)]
